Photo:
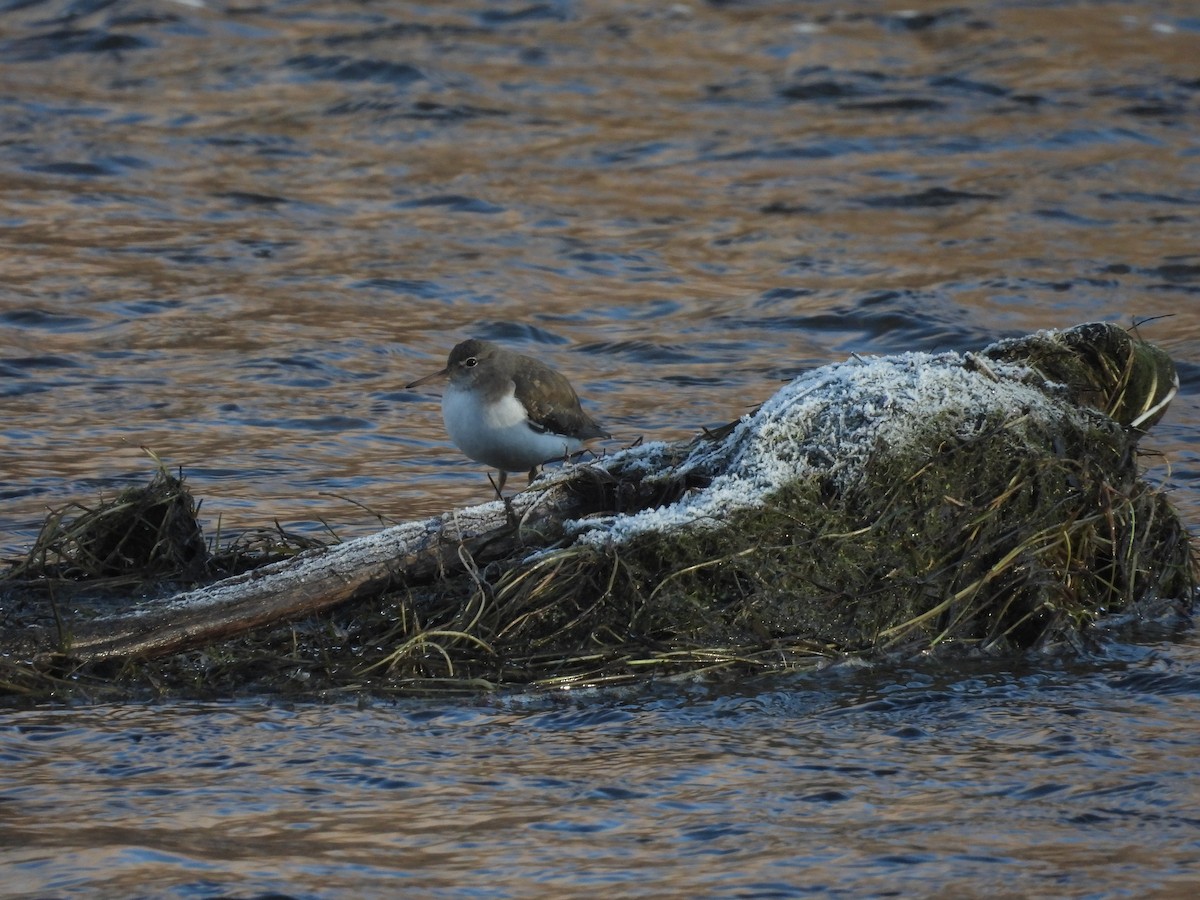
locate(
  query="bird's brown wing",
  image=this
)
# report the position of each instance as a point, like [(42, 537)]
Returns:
[(553, 405)]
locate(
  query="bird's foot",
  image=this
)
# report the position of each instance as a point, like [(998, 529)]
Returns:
[(498, 487)]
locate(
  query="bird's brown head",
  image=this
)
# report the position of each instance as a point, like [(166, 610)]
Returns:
[(468, 361)]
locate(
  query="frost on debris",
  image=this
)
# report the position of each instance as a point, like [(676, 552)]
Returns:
[(829, 423)]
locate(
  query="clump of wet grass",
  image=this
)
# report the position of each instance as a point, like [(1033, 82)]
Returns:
[(1103, 367), (147, 535), (144, 533)]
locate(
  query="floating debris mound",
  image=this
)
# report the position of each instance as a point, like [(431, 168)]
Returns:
[(991, 501)]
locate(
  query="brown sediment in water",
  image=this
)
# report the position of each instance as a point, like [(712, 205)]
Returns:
[(991, 502)]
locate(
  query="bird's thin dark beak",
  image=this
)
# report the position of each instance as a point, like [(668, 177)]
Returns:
[(420, 381)]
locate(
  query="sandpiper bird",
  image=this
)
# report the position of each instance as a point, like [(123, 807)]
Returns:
[(509, 411)]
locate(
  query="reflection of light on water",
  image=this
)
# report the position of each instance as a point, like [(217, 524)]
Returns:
[(852, 778), (222, 231)]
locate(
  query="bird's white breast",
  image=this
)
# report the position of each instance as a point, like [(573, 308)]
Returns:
[(498, 434)]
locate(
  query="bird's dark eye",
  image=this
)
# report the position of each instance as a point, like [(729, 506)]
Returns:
[(470, 362)]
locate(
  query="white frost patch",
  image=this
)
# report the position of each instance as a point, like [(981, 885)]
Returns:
[(828, 423)]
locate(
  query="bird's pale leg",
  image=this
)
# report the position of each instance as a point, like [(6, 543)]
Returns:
[(498, 486), (509, 512)]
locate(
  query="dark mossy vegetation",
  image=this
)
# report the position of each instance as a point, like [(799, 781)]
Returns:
[(996, 525), (149, 536), (986, 539)]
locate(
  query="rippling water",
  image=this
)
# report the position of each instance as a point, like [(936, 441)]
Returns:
[(1028, 781), (232, 232)]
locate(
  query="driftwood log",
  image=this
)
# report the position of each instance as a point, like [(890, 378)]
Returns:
[(991, 500), (320, 579)]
